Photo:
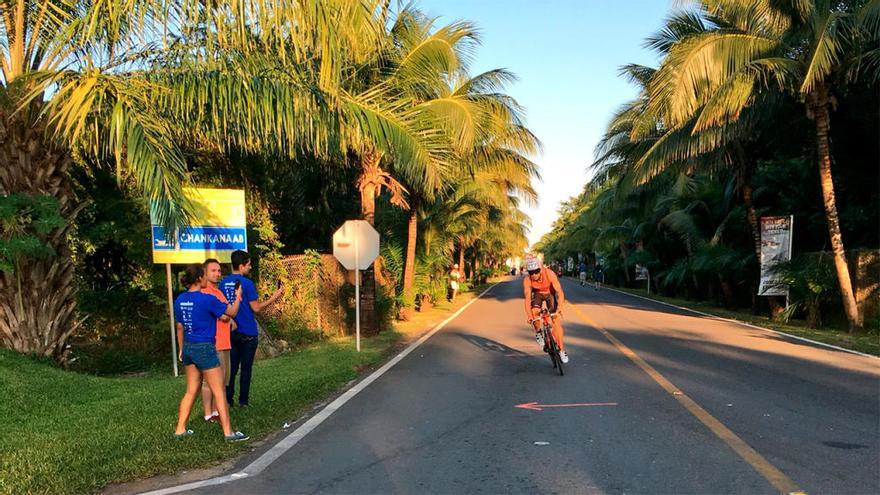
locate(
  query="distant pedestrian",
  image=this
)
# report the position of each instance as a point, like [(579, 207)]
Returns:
[(224, 325), (597, 275), (195, 316), (582, 273), (454, 277), (244, 339)]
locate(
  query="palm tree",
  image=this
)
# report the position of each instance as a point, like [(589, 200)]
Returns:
[(803, 48), (489, 138), (79, 80)]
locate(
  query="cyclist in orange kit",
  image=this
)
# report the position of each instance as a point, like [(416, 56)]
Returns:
[(542, 286)]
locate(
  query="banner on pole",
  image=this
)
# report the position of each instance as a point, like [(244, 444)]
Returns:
[(218, 228), (776, 235)]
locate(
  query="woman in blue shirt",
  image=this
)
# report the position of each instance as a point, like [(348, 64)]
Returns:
[(196, 316)]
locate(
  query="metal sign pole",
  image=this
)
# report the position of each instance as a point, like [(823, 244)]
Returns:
[(790, 237), (357, 292), (171, 317)]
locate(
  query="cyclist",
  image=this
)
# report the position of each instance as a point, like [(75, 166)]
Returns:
[(542, 286)]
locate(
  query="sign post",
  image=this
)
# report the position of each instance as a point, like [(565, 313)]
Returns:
[(357, 295), (219, 227), (356, 246), (171, 317)]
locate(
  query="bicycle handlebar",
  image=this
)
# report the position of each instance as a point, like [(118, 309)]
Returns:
[(551, 315)]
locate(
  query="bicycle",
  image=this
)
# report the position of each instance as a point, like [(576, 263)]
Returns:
[(550, 345)]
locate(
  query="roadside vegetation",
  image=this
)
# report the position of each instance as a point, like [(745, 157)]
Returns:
[(755, 109), (865, 342), (368, 109)]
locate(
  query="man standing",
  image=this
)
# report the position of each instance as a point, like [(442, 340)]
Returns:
[(244, 339), (224, 324), (582, 272), (454, 277)]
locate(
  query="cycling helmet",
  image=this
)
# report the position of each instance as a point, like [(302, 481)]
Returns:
[(533, 264)]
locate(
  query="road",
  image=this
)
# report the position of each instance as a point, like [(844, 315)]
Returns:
[(702, 406)]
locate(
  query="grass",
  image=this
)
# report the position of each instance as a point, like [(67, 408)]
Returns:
[(867, 342), (66, 432)]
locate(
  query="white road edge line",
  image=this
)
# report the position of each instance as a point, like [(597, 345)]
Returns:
[(731, 320), (298, 434)]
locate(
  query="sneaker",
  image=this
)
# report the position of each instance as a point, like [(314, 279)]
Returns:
[(180, 436), (213, 419), (563, 356), (236, 437), (539, 338)]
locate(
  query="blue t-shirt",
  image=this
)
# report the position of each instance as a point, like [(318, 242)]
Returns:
[(583, 267), (247, 323), (198, 313)]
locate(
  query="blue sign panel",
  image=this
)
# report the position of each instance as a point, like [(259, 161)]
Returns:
[(201, 238)]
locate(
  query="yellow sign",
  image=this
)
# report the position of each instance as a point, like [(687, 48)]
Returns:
[(218, 228)]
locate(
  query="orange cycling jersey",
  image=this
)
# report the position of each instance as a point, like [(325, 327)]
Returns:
[(542, 285)]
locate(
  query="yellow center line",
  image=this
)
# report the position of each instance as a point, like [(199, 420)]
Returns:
[(776, 477)]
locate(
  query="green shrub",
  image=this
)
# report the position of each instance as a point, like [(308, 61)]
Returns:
[(812, 282)]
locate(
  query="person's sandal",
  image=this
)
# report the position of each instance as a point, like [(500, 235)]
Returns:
[(179, 436), (236, 437)]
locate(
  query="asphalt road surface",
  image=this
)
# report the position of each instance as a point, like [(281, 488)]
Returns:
[(702, 406)]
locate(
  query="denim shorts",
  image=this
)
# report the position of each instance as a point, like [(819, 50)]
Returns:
[(201, 354)]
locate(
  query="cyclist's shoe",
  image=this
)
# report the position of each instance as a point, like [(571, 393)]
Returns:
[(539, 338), (563, 356)]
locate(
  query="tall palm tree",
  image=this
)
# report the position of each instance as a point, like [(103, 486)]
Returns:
[(488, 137), (80, 79), (804, 48)]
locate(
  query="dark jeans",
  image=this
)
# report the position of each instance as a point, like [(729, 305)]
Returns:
[(244, 348)]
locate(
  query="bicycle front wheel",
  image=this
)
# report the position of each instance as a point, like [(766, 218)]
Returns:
[(551, 348), (554, 353)]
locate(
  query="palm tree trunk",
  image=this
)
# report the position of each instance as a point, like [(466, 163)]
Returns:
[(818, 103), (409, 267), (726, 292), (369, 188), (37, 299), (624, 252), (368, 184), (744, 176), (745, 173), (461, 254)]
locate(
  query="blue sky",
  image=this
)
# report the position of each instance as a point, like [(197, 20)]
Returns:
[(566, 54)]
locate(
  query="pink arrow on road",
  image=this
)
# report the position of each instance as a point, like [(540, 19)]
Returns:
[(534, 406)]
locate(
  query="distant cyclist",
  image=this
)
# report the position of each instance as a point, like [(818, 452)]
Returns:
[(542, 287)]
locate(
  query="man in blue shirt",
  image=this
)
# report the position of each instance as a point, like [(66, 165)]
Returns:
[(244, 339)]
